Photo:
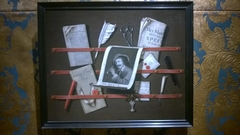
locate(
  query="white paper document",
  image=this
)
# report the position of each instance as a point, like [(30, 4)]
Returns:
[(151, 35), (149, 63), (85, 77), (142, 87), (76, 37)]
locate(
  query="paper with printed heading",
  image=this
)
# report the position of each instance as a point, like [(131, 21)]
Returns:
[(151, 35)]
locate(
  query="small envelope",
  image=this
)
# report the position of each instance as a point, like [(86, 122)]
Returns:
[(149, 63), (142, 87)]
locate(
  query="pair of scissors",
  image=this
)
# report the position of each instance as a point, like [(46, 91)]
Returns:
[(128, 31)]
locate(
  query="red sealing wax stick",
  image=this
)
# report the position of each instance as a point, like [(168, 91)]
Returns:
[(70, 92)]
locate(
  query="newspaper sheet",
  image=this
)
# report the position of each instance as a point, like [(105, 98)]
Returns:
[(151, 35)]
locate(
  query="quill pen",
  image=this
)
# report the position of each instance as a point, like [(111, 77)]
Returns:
[(106, 32)]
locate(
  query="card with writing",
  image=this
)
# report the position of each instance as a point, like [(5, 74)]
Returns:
[(142, 87)]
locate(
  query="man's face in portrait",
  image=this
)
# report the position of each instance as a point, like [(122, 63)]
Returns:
[(119, 63)]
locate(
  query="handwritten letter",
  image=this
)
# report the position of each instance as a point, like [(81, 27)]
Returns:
[(142, 87), (84, 77)]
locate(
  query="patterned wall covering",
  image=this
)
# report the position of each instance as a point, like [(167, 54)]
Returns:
[(216, 72)]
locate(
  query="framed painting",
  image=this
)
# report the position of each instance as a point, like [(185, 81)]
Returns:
[(116, 64)]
